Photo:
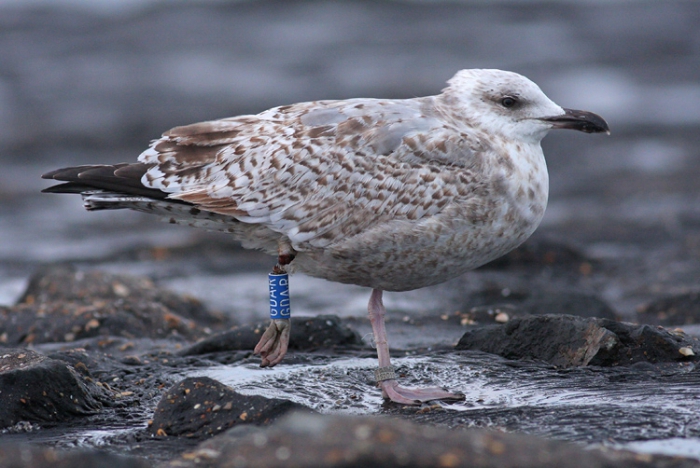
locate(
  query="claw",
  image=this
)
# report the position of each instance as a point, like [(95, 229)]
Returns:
[(273, 345)]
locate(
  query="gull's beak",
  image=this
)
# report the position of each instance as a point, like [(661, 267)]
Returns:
[(579, 120)]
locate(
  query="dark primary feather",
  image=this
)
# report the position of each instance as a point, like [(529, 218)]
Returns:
[(121, 178)]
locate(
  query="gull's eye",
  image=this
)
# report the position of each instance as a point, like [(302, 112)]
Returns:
[(508, 102)]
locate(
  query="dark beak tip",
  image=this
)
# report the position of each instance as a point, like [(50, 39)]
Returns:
[(583, 121), (598, 129)]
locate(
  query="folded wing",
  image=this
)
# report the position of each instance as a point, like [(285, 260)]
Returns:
[(316, 171)]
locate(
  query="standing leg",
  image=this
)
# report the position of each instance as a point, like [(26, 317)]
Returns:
[(386, 378)]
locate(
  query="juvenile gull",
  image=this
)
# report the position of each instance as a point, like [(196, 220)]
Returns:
[(393, 195)]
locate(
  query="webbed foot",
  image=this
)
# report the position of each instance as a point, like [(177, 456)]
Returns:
[(273, 345)]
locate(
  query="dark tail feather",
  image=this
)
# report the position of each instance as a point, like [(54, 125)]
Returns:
[(68, 187), (119, 178)]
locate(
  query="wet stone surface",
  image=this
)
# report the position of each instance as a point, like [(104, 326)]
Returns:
[(201, 407), (681, 309), (37, 389), (523, 301), (566, 341), (158, 398), (63, 304), (13, 456), (302, 440), (308, 333)]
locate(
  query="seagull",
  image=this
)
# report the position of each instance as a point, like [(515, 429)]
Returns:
[(390, 194)]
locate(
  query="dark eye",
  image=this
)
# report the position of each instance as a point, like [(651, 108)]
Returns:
[(509, 102)]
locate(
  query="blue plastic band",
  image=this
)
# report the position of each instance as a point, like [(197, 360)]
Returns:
[(279, 296)]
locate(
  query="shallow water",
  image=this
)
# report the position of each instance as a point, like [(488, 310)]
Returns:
[(569, 404), (649, 411)]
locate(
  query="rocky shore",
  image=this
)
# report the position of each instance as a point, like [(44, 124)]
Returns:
[(125, 342), (87, 351)]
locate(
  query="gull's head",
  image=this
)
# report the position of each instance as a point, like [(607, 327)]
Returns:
[(511, 105)]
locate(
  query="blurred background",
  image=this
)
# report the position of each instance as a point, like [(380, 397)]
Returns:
[(93, 81)]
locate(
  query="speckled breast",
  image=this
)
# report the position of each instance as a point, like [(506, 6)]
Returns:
[(401, 255)]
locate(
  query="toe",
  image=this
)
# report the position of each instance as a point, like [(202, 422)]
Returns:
[(390, 390), (414, 396)]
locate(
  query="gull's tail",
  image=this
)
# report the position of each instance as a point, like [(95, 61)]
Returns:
[(118, 178), (115, 187)]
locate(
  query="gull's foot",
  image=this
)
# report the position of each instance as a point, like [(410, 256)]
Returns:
[(273, 344), (415, 396)]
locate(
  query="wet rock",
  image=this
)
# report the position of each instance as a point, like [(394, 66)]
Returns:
[(79, 359), (66, 284), (682, 309), (14, 456), (69, 321), (301, 440), (481, 315), (36, 388), (569, 341), (244, 337), (64, 305), (579, 303), (539, 300), (112, 347), (201, 407), (543, 251), (645, 343), (323, 331), (93, 362)]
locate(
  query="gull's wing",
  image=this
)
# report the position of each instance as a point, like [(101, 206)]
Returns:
[(319, 171)]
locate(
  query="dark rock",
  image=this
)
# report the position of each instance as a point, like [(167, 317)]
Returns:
[(577, 303), (201, 407), (66, 284), (110, 347), (560, 340), (568, 341), (90, 362), (323, 331), (14, 456), (485, 315), (244, 337), (538, 300), (640, 343), (683, 309), (543, 251), (70, 321), (497, 292), (36, 388), (64, 305), (79, 359), (302, 440)]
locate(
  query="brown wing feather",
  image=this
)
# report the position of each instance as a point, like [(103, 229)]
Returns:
[(316, 171)]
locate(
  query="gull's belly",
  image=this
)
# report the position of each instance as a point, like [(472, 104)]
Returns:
[(495, 216), (402, 256)]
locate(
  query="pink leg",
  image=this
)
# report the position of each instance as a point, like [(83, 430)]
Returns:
[(273, 344), (390, 388)]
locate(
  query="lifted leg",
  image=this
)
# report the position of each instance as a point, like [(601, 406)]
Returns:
[(390, 387), (273, 345)]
